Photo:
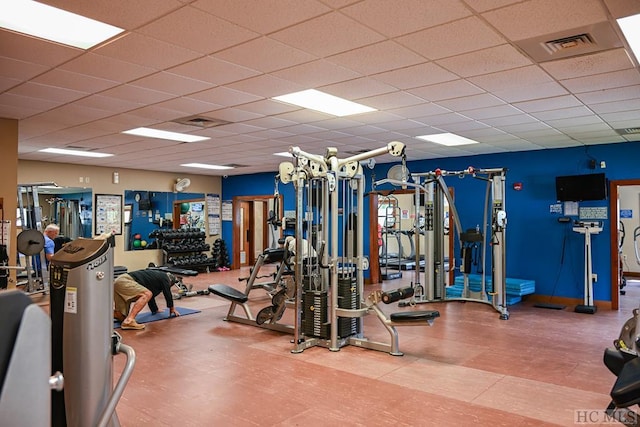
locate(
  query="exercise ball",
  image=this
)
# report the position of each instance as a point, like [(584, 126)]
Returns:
[(137, 236), (184, 208), (143, 243), (137, 243)]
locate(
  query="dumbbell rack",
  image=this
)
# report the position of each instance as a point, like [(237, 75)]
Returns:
[(184, 248)]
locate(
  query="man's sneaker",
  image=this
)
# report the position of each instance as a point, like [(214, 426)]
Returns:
[(118, 316), (132, 325)]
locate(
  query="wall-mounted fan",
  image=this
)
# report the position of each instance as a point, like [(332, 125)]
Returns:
[(181, 184)]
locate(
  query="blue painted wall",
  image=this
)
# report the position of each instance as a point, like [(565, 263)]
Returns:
[(538, 246)]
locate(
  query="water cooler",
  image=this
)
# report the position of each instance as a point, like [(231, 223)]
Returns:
[(83, 339)]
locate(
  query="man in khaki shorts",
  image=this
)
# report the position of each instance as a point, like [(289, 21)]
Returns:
[(140, 287)]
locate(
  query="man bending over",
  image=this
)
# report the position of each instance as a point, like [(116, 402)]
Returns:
[(141, 287)]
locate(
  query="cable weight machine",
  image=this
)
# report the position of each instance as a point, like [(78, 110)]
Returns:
[(329, 303), (431, 188)]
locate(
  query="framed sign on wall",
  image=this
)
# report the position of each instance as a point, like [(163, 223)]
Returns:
[(108, 216)]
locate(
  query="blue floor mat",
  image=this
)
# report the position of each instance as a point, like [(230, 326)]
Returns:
[(147, 317)]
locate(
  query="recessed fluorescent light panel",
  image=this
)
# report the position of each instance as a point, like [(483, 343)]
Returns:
[(74, 152), (205, 166), (163, 134), (448, 139), (630, 27), (323, 102), (49, 23)]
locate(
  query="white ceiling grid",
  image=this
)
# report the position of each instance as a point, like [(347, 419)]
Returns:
[(427, 66)]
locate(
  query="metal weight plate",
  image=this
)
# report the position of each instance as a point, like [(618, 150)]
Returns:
[(30, 242), (264, 315)]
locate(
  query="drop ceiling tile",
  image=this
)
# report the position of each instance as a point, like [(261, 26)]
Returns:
[(516, 144), (391, 100), (512, 79), (213, 70), (562, 113), (192, 29), (137, 94), (336, 123), (554, 103), (269, 133), (477, 149), (106, 68), (628, 116), (393, 20), (414, 76), (528, 93), (327, 35), (527, 127), (10, 111), (610, 80), (15, 69), (584, 129), (448, 90), (471, 102), (401, 125), (509, 120), (46, 92), (74, 81), (7, 83), (447, 40), (484, 5), (264, 54), (316, 73), (171, 83), (420, 110), (127, 14), (268, 107), (617, 106), (74, 114), (587, 65), (36, 104), (492, 112), (443, 119), (610, 95), (226, 97), (143, 50), (33, 50), (358, 88), (273, 123), (265, 16), (539, 135), (470, 125), (536, 18), (602, 140), (376, 117), (108, 103), (188, 106), (572, 122), (485, 61), (158, 114), (376, 58), (266, 86)]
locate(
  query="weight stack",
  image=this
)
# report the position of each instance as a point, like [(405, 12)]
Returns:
[(347, 298), (315, 314)]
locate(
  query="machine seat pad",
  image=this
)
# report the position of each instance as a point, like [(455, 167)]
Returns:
[(273, 255), (626, 390), (414, 316), (227, 292)]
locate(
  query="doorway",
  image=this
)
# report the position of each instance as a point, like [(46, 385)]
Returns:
[(250, 229), (614, 213)]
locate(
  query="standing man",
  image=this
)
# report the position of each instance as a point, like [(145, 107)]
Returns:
[(141, 287)]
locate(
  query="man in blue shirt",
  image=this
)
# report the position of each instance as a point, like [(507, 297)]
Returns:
[(50, 233)]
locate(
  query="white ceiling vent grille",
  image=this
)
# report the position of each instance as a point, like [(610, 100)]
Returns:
[(571, 42), (201, 122), (577, 41)]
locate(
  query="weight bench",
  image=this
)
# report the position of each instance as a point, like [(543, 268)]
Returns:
[(235, 296), (626, 390)]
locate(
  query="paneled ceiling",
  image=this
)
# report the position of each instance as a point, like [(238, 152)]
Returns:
[(489, 70)]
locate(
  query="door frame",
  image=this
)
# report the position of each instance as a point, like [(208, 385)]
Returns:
[(236, 203), (613, 237)]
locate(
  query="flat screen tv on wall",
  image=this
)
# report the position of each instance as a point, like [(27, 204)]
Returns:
[(578, 188)]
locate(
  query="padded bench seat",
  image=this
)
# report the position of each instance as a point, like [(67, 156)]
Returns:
[(626, 390), (414, 316), (227, 292)]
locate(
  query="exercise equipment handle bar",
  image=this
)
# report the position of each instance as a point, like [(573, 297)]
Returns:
[(122, 382), (469, 171), (395, 148)]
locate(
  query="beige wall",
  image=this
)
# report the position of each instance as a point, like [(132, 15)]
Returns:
[(100, 180), (8, 181)]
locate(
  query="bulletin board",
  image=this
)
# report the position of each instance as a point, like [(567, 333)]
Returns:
[(108, 214)]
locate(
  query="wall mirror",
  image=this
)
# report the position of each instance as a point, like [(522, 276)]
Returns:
[(146, 211), (71, 208)]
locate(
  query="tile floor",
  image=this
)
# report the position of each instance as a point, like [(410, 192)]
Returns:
[(470, 368)]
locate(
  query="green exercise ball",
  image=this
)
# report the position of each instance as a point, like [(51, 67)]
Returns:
[(137, 243), (184, 208)]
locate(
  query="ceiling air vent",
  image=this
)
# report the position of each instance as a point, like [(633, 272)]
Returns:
[(629, 131), (201, 121), (571, 42)]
